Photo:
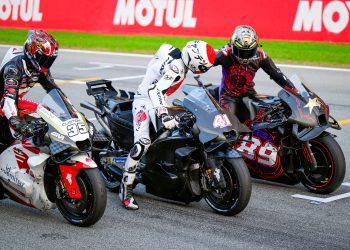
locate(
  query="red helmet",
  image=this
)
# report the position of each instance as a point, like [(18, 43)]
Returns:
[(41, 49)]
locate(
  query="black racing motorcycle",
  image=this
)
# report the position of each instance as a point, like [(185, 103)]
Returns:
[(289, 143), (188, 163)]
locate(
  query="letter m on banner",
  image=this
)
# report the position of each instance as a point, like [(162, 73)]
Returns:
[(308, 16), (125, 12)]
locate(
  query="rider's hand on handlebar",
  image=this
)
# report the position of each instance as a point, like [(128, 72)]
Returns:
[(169, 121), (17, 123)]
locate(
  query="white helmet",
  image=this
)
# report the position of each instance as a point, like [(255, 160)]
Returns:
[(198, 56)]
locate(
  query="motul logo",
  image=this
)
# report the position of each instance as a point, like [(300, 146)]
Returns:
[(174, 13), (25, 10), (333, 15)]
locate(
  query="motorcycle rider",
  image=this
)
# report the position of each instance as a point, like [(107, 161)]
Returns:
[(240, 60), (164, 75), (20, 70)]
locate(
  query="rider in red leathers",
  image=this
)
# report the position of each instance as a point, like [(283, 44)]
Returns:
[(165, 73), (20, 70), (240, 60)]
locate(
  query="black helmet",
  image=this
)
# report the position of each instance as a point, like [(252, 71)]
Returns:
[(244, 43)]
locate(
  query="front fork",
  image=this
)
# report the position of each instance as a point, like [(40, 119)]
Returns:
[(68, 181), (214, 171), (308, 156)]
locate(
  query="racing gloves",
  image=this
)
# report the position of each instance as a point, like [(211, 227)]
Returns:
[(17, 123), (168, 121)]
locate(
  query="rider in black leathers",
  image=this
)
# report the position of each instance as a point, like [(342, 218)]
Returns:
[(20, 70), (240, 60)]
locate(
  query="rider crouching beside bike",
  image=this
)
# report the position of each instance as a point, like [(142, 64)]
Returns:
[(164, 75), (20, 70), (240, 60)]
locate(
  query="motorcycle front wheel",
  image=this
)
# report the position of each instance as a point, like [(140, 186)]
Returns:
[(330, 171), (89, 209), (235, 197)]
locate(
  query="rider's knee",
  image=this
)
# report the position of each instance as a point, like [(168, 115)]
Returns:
[(139, 149)]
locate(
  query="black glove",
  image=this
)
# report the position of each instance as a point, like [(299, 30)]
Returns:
[(18, 124)]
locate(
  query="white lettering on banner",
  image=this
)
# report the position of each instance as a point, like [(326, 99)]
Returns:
[(26, 10), (310, 16), (145, 12)]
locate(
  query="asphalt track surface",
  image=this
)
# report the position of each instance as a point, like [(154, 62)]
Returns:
[(272, 220)]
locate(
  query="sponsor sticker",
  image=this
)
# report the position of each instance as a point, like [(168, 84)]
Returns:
[(221, 121)]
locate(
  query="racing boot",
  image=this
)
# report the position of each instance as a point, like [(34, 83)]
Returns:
[(125, 194)]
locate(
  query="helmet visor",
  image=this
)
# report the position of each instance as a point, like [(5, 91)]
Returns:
[(43, 60), (244, 53)]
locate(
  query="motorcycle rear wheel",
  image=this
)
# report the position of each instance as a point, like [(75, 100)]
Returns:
[(88, 210), (330, 170), (236, 195)]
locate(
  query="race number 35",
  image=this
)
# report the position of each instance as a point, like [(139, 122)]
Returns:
[(75, 129)]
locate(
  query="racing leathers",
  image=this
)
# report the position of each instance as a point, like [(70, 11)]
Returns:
[(165, 73), (17, 76), (238, 79)]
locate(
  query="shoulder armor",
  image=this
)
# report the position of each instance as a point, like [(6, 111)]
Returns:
[(178, 67), (262, 53)]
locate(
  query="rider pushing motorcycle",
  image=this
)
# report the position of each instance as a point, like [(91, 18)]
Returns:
[(240, 60), (165, 73), (20, 70)]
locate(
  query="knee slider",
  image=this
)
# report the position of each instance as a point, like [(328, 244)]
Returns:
[(139, 148)]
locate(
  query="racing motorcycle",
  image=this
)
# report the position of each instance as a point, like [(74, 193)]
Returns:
[(289, 143), (48, 165), (188, 163)]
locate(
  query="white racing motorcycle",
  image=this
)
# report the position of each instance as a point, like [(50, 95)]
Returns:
[(49, 167)]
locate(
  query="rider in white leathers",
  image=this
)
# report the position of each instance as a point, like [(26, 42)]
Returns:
[(165, 73)]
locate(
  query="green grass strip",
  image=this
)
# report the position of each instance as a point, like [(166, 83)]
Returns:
[(307, 53)]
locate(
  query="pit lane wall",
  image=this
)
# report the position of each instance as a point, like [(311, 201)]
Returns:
[(273, 19)]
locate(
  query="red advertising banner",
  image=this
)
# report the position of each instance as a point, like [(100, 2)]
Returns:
[(313, 20)]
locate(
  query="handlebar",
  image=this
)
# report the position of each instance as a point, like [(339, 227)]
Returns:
[(35, 127)]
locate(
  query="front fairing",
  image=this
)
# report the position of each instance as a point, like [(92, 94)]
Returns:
[(211, 122), (66, 126), (307, 109)]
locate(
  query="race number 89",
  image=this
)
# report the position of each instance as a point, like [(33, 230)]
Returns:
[(263, 153)]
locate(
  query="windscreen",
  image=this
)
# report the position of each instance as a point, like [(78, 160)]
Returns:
[(58, 104), (303, 91)]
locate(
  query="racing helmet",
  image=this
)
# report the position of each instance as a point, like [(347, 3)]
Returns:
[(244, 43), (41, 48), (198, 56)]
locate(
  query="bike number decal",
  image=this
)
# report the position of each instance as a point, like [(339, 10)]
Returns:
[(265, 154), (221, 121), (76, 128)]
